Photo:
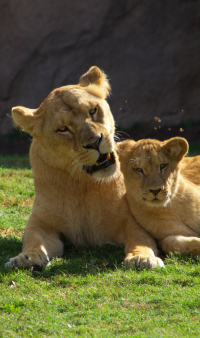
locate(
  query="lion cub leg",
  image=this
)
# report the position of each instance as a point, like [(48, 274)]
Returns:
[(182, 244), (141, 249), (39, 245)]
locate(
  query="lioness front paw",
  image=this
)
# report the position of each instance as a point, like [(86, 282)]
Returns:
[(28, 260), (143, 261)]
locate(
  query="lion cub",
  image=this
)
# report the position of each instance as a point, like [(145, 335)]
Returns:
[(163, 201)]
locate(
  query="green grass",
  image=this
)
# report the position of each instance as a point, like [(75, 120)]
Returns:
[(88, 292)]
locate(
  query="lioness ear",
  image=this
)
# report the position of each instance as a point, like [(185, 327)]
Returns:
[(96, 82), (30, 120), (175, 148)]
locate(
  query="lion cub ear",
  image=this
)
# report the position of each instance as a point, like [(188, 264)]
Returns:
[(176, 148), (124, 148), (30, 120), (96, 82)]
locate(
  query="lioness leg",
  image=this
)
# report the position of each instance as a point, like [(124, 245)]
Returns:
[(39, 245), (140, 248), (182, 244)]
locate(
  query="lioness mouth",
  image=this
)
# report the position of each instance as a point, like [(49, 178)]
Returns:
[(104, 161)]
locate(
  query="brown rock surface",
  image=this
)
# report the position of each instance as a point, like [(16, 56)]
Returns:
[(150, 50)]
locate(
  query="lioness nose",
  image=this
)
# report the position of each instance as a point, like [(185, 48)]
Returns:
[(94, 145), (155, 192)]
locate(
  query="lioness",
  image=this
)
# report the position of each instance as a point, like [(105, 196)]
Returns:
[(163, 201), (79, 188)]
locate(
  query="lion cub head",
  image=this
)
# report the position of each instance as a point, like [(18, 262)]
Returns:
[(74, 126), (151, 169)]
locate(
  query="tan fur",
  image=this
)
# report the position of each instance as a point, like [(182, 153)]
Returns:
[(88, 209), (164, 201), (189, 167)]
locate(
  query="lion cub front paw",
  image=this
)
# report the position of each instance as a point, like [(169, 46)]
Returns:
[(140, 261), (28, 260)]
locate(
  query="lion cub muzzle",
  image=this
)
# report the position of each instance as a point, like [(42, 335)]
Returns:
[(155, 192), (159, 195)]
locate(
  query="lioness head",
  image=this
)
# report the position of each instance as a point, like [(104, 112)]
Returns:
[(75, 126), (151, 168)]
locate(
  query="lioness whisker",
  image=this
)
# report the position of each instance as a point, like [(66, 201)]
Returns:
[(73, 175), (74, 159), (122, 132)]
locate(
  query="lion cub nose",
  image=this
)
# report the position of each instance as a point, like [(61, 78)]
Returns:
[(155, 192), (94, 145)]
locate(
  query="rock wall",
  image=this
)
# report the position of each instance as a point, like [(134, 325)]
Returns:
[(149, 49)]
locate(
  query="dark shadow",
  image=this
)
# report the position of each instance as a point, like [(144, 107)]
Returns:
[(14, 161), (80, 261), (76, 260), (17, 142), (83, 261), (9, 247)]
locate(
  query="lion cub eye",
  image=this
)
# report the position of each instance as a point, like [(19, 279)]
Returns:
[(93, 111), (163, 166), (62, 129), (139, 170)]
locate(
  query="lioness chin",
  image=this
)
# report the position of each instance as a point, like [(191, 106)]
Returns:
[(161, 198), (80, 192)]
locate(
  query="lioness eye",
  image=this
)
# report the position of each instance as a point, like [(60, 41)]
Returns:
[(163, 166), (139, 170), (62, 129), (93, 111)]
